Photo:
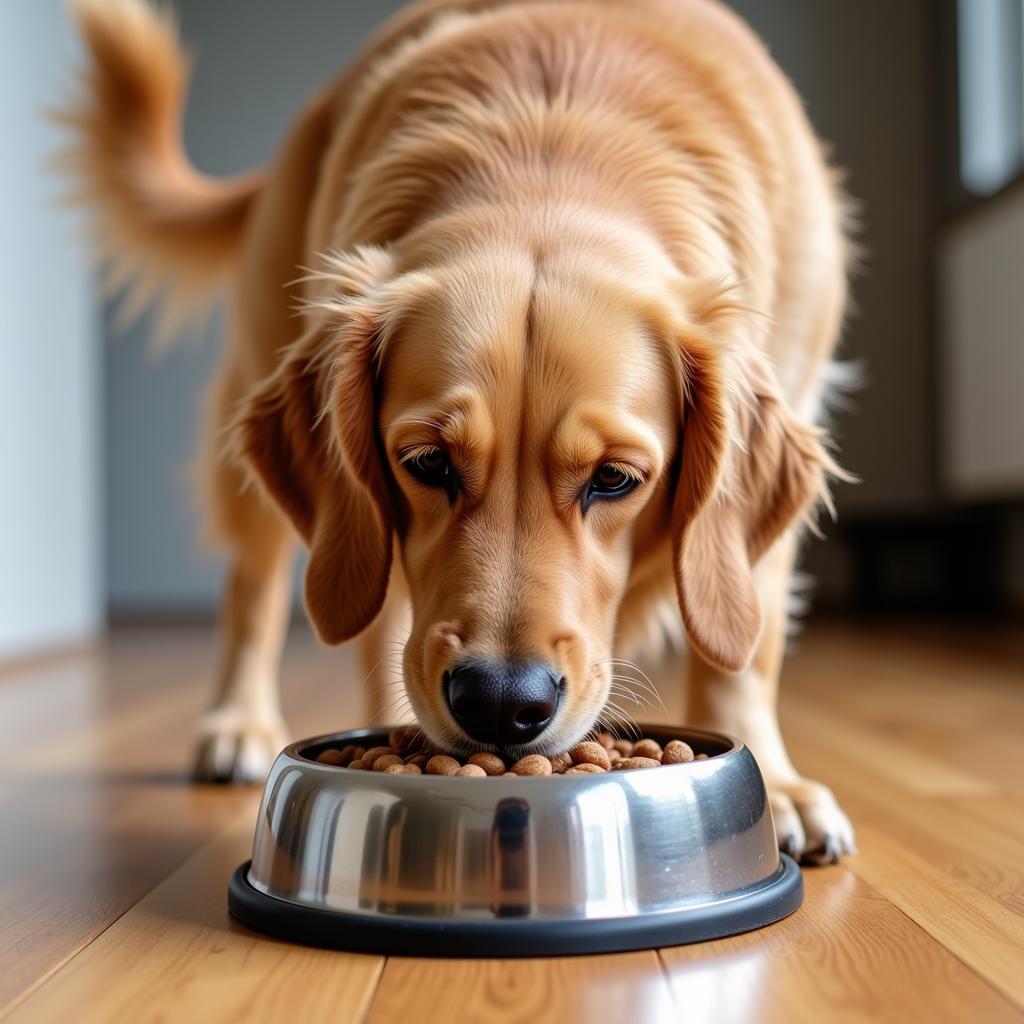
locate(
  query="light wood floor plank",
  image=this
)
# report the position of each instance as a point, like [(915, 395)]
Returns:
[(979, 930), (956, 707), (976, 839), (899, 762), (625, 987), (846, 955), (178, 956), (94, 782)]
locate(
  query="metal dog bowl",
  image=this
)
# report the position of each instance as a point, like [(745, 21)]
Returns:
[(514, 866)]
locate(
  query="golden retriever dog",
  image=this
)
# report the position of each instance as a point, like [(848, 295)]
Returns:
[(529, 324)]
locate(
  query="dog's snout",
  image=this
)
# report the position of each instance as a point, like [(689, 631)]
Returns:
[(503, 703)]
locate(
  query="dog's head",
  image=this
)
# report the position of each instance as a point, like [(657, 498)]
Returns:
[(528, 435)]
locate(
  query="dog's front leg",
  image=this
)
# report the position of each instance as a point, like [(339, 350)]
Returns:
[(810, 824), (241, 732)]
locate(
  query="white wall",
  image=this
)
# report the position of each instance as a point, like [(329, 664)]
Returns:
[(49, 428), (982, 293)]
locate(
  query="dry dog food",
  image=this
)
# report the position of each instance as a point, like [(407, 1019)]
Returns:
[(409, 753)]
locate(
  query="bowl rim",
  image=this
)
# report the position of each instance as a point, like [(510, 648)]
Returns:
[(734, 746)]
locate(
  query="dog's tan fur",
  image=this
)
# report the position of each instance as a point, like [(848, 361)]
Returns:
[(540, 236)]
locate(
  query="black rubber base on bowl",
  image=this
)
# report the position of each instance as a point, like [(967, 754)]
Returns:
[(410, 936)]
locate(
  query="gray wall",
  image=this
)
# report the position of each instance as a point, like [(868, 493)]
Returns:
[(50, 591), (859, 66), (981, 261)]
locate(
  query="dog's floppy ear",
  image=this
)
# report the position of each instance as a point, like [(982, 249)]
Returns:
[(309, 433), (748, 469)]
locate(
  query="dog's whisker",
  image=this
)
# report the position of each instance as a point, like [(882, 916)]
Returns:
[(396, 706), (647, 693), (625, 691), (369, 675), (619, 686), (383, 665), (626, 695), (389, 689), (623, 717), (632, 666), (383, 712), (644, 681), (394, 683), (643, 684)]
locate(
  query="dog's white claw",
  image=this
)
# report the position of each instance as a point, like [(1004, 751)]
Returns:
[(809, 823), (234, 747)]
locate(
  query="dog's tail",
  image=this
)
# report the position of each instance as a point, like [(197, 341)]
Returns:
[(162, 229)]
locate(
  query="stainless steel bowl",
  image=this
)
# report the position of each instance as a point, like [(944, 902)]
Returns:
[(508, 866)]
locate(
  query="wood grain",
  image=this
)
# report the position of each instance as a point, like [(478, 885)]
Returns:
[(846, 955), (982, 932), (94, 783), (623, 987), (177, 955)]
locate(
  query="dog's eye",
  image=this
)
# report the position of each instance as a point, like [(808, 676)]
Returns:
[(430, 466), (610, 481)]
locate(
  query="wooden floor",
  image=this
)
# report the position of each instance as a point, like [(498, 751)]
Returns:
[(113, 868)]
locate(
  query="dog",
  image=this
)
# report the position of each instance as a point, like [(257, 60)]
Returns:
[(530, 323)]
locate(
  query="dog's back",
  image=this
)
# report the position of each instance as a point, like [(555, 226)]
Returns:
[(688, 67)]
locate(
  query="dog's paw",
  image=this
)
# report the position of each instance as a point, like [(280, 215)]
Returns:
[(233, 746), (809, 823)]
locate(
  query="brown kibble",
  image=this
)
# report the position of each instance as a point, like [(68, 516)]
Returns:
[(590, 753), (647, 748), (410, 753), (442, 764), (373, 753), (490, 763), (532, 764), (677, 752), (331, 757), (636, 762)]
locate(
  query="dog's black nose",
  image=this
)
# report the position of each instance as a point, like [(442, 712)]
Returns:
[(501, 702)]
